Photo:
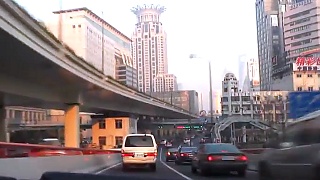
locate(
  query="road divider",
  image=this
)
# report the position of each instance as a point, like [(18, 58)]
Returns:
[(30, 161)]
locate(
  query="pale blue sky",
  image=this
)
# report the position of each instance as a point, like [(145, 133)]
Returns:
[(217, 30)]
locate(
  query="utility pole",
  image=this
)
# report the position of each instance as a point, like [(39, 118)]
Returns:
[(102, 44), (60, 22)]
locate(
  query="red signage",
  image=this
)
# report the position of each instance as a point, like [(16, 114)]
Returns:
[(307, 64)]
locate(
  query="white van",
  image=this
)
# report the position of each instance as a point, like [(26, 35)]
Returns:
[(139, 149)]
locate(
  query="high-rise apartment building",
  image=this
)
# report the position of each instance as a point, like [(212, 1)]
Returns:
[(269, 35), (149, 47), (165, 82), (90, 37)]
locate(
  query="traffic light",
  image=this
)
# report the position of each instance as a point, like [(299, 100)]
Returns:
[(188, 127)]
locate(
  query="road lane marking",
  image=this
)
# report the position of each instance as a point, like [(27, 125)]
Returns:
[(108, 168), (172, 169)]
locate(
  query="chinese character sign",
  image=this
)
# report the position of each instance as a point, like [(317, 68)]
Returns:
[(306, 64)]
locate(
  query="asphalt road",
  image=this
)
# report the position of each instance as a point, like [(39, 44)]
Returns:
[(170, 171)]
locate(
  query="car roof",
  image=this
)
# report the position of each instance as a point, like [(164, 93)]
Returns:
[(132, 135)]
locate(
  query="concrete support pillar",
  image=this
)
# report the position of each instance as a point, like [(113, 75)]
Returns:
[(4, 134), (72, 126)]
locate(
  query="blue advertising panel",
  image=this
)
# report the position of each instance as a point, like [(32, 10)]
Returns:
[(303, 103)]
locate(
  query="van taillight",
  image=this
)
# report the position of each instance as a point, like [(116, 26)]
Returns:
[(151, 154), (124, 154)]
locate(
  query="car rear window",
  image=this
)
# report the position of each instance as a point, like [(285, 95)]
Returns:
[(173, 150), (139, 141), (188, 149), (221, 148)]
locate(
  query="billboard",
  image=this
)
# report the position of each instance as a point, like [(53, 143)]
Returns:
[(306, 64), (303, 103)]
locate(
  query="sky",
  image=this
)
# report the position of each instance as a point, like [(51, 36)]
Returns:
[(219, 31)]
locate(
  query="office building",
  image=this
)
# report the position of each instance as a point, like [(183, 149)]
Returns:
[(269, 38), (90, 37), (269, 106), (125, 72), (165, 82), (301, 25), (149, 46), (188, 100)]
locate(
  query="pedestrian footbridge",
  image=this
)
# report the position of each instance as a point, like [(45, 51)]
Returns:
[(223, 124)]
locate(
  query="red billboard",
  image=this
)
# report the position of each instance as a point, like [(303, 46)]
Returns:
[(306, 64)]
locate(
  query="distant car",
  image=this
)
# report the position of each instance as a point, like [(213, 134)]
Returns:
[(50, 141), (184, 155), (163, 141), (218, 157), (168, 144), (186, 140), (171, 154), (205, 140), (139, 150)]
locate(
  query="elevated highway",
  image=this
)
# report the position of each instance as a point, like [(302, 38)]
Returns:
[(36, 70)]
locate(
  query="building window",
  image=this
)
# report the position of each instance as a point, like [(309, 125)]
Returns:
[(102, 141), (310, 88), (119, 140), (299, 88), (309, 75), (299, 75), (118, 123), (102, 124)]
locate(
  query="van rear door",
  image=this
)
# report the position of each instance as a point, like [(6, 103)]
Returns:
[(140, 146)]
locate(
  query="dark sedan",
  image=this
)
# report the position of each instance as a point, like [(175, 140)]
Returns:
[(184, 154), (219, 157), (171, 154)]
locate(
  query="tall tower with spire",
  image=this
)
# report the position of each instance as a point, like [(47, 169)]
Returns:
[(149, 46)]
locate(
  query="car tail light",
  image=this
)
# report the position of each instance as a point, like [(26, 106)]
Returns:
[(183, 154), (168, 153), (151, 154), (213, 158), (242, 158)]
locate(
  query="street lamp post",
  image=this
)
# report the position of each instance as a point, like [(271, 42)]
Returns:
[(171, 90), (194, 56)]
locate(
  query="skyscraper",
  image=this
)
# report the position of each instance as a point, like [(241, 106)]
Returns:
[(149, 46), (242, 65), (269, 34)]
